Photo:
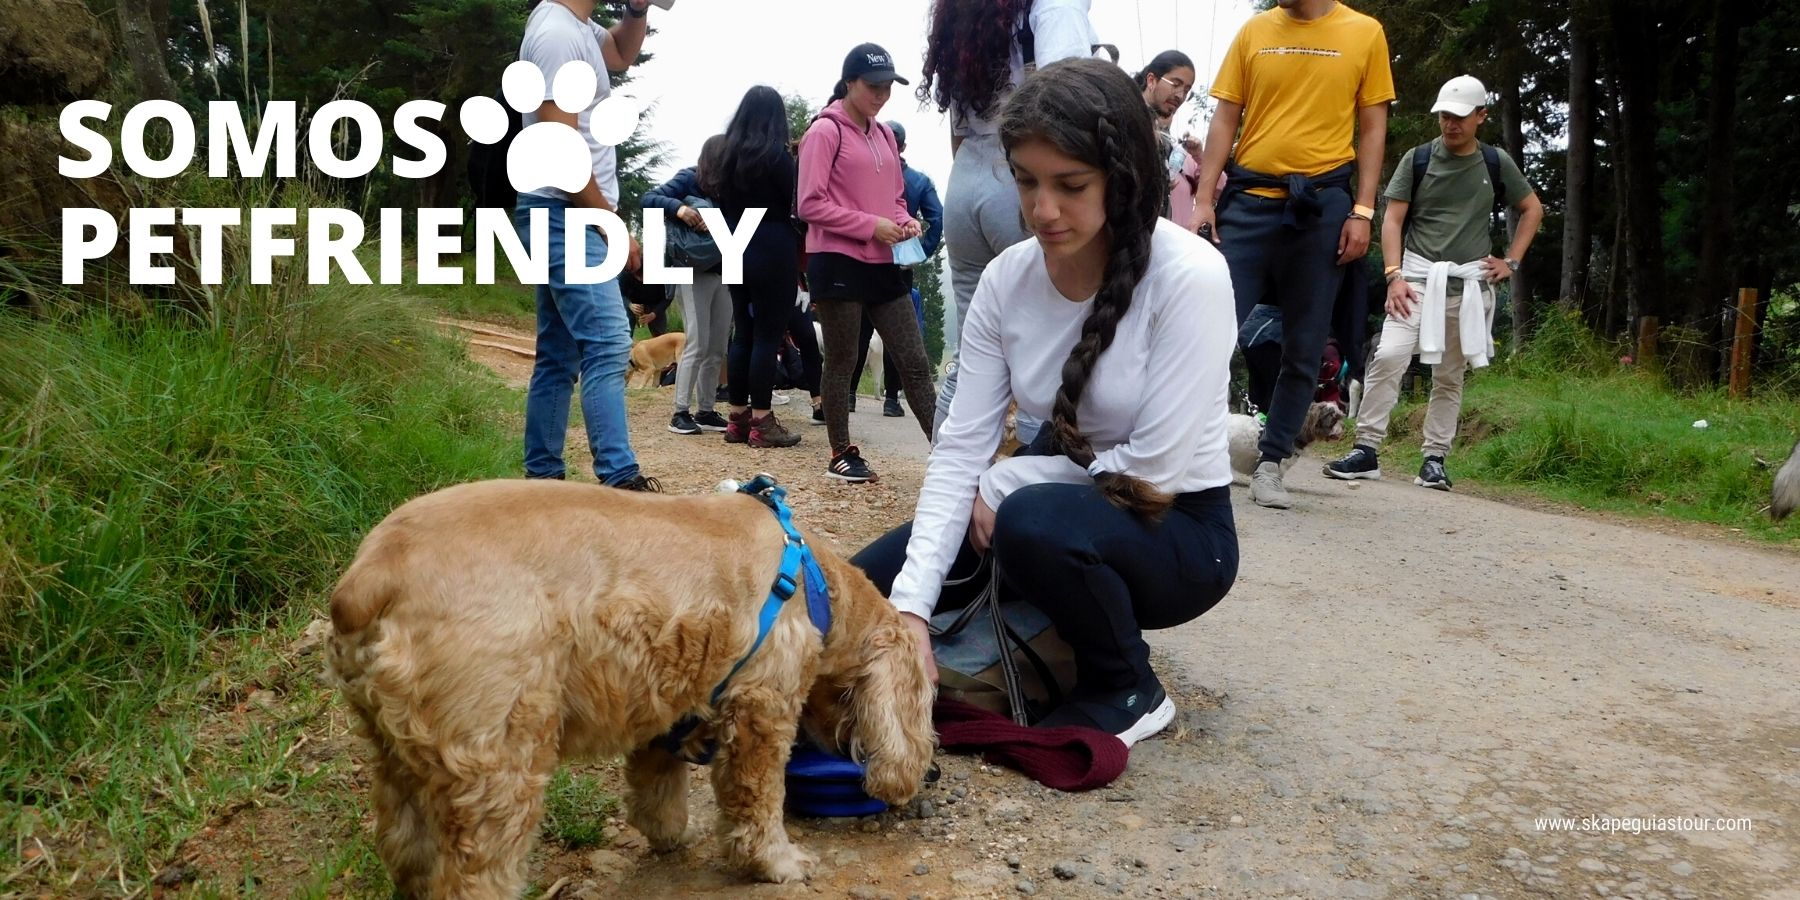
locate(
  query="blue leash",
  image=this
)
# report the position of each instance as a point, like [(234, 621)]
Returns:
[(797, 563)]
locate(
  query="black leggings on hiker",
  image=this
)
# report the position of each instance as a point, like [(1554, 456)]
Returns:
[(1102, 575), (760, 310)]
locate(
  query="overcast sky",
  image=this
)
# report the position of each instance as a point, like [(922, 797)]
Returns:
[(708, 52)]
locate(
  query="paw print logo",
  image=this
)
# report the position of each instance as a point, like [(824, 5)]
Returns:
[(550, 154)]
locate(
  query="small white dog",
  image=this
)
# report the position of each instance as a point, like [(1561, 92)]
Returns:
[(1786, 495), (1324, 421)]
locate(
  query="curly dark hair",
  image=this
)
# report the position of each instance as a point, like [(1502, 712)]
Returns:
[(1089, 110), (968, 50)]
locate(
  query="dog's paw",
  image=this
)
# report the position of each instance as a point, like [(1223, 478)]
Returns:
[(784, 863), (672, 843)]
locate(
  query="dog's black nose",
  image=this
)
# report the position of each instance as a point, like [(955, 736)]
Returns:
[(933, 774)]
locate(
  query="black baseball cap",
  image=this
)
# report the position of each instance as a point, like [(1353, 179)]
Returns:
[(872, 64)]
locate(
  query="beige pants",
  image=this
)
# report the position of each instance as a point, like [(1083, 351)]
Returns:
[(1399, 344)]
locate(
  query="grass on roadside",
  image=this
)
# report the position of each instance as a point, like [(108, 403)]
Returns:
[(168, 492), (1569, 422)]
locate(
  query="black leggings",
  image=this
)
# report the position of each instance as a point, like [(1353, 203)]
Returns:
[(1100, 574), (812, 363), (760, 310)]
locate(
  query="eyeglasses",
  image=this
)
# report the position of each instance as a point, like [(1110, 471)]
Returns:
[(1176, 83)]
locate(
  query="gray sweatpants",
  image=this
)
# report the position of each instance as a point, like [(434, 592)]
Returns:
[(981, 218), (706, 314)]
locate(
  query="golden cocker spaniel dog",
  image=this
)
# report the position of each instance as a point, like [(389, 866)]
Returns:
[(486, 632), (650, 356)]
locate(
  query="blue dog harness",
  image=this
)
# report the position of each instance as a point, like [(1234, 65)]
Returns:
[(797, 563)]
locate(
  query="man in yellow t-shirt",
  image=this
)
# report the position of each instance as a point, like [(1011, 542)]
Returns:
[(1310, 84)]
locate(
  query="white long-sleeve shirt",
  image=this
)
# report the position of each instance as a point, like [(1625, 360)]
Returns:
[(1154, 408)]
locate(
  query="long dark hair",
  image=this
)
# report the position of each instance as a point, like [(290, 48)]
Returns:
[(968, 53), (1089, 110), (756, 148), (712, 157), (1164, 63)]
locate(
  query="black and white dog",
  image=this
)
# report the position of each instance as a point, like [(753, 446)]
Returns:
[(1324, 422)]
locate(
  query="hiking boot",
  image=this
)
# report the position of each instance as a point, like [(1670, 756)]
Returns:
[(722, 395), (849, 466), (640, 483), (1360, 462), (709, 420), (818, 415), (892, 409), (737, 428), (1266, 488), (767, 431), (1133, 714), (1432, 474), (683, 423)]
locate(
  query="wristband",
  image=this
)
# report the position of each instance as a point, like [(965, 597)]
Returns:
[(1363, 212), (1390, 270), (1392, 277), (635, 12)]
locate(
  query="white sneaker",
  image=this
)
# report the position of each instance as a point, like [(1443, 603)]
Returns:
[(1152, 723), (1131, 715), (1266, 488)]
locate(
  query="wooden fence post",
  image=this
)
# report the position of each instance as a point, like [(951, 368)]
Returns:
[(1648, 329), (1742, 338)]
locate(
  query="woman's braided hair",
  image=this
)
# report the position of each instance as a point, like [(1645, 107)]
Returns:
[(1089, 110)]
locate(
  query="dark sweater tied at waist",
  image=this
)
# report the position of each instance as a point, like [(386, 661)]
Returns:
[(1303, 205)]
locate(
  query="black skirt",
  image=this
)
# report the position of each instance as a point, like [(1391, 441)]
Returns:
[(834, 276)]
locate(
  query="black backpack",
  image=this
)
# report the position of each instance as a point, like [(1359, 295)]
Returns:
[(1421, 158), (488, 183)]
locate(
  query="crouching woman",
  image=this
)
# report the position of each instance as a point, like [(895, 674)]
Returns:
[(1117, 326)]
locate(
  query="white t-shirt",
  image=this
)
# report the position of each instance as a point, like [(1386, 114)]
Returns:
[(553, 36), (1060, 29), (1155, 406)]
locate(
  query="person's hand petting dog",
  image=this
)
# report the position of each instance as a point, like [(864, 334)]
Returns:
[(921, 631)]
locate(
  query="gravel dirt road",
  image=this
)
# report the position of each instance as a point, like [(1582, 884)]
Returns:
[(1401, 690)]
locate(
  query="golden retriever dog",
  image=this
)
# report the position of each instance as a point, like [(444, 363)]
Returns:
[(1323, 422), (489, 631), (650, 356)]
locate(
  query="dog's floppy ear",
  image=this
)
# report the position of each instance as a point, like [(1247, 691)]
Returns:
[(891, 709)]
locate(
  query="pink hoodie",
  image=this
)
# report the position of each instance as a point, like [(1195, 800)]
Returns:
[(848, 179)]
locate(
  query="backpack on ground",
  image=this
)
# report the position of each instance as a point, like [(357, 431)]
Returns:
[(1421, 160), (488, 183), (1004, 657)]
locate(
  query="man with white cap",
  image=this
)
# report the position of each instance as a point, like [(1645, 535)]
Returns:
[(1440, 270)]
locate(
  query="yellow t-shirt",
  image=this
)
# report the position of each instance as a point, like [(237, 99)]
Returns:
[(1300, 84)]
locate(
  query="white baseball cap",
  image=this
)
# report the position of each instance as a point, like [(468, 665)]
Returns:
[(1460, 96)]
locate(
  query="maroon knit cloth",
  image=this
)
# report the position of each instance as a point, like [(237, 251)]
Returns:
[(1067, 759)]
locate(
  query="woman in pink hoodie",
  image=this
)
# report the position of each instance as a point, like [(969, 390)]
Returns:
[(851, 196)]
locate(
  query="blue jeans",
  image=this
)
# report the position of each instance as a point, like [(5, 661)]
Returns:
[(1297, 271), (582, 332)]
